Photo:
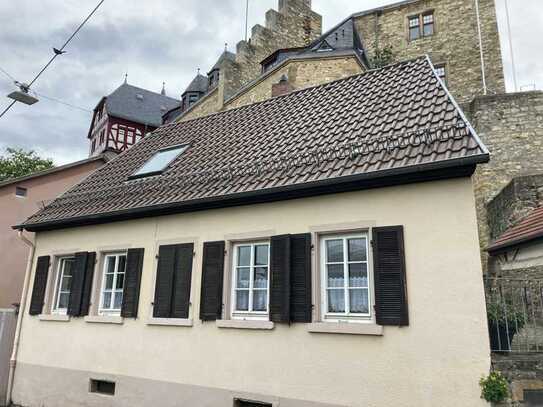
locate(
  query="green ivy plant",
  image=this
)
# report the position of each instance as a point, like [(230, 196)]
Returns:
[(382, 56), (494, 387)]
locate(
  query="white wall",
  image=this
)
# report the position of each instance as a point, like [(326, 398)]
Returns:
[(437, 360)]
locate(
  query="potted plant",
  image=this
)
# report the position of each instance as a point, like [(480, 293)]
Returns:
[(504, 321), (494, 388)]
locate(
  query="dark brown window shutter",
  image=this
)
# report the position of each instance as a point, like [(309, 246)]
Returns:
[(40, 285), (182, 281), (212, 281), (132, 283), (300, 278), (164, 282), (280, 278), (77, 284), (87, 284), (389, 274)]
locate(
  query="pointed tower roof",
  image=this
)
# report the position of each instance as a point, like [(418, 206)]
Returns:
[(198, 84), (225, 55)]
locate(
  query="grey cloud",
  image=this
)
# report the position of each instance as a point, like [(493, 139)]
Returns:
[(154, 41)]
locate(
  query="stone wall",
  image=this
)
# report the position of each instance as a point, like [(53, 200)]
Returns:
[(520, 197), (301, 74), (207, 105), (454, 43), (511, 126), (293, 25), (523, 371)]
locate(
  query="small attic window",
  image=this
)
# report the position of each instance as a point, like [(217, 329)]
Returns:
[(139, 96), (159, 162)]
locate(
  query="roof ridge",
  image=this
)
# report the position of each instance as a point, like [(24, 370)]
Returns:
[(298, 91)]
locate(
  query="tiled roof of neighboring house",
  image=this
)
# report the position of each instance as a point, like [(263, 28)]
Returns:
[(528, 229), (396, 124), (198, 84), (139, 105), (106, 156)]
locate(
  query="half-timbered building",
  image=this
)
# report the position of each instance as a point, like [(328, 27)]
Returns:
[(124, 117)]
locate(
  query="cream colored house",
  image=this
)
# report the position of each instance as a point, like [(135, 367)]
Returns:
[(316, 249)]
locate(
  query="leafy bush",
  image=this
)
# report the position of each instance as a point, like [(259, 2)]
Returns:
[(505, 313), (494, 388)]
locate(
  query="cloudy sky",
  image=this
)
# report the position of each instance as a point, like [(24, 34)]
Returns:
[(156, 41)]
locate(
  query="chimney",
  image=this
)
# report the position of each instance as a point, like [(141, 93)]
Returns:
[(282, 87)]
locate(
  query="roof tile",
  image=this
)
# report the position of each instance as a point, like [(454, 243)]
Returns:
[(362, 125)]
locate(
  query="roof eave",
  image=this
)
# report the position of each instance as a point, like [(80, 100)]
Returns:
[(496, 249), (455, 168)]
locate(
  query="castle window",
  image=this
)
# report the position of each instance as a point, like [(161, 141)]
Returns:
[(421, 25), (441, 72), (428, 24), (414, 28)]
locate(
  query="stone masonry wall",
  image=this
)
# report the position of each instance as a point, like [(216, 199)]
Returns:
[(455, 41), (523, 371), (301, 74), (511, 126), (293, 25), (205, 106), (520, 197)]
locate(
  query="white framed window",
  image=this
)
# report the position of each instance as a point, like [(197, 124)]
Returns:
[(441, 72), (111, 292), (61, 295), (345, 277), (251, 280)]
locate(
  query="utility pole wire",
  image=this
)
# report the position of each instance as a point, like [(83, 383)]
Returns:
[(62, 102), (57, 52), (7, 74)]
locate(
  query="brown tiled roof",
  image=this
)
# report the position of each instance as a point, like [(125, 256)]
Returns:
[(398, 119), (528, 229)]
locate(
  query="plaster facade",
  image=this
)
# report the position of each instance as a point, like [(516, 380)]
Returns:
[(437, 360)]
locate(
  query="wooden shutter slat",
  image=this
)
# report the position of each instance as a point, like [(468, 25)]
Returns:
[(77, 283), (212, 281), (164, 281), (300, 278), (87, 284), (280, 278), (132, 283), (182, 281), (390, 276), (40, 285)]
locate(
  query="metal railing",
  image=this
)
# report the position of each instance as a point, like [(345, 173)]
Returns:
[(515, 314)]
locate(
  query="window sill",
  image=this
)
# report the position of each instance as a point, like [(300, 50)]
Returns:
[(244, 324), (169, 322), (349, 328), (54, 317), (100, 319)]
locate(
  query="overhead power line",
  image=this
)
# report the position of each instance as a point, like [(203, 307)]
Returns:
[(57, 52), (7, 74), (62, 102)]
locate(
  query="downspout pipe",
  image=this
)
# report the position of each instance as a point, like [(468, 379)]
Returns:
[(479, 33), (22, 309)]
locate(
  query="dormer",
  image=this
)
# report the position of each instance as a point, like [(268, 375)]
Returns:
[(196, 89), (213, 75)]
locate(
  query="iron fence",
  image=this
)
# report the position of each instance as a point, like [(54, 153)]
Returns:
[(515, 314)]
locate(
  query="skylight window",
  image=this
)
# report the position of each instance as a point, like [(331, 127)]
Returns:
[(159, 162)]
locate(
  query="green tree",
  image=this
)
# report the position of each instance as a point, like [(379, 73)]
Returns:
[(18, 163)]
